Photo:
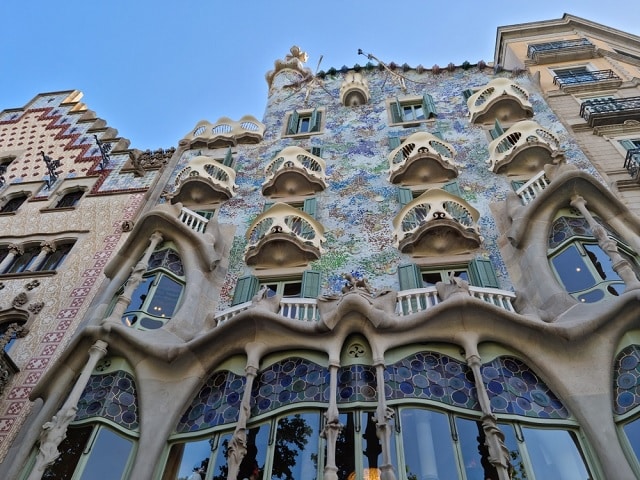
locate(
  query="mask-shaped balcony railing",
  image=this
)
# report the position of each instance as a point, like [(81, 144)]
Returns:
[(523, 149), (283, 236), (219, 180), (610, 111), (632, 163), (437, 222), (422, 158), (500, 99), (570, 79), (575, 49), (294, 171), (530, 190), (224, 133)]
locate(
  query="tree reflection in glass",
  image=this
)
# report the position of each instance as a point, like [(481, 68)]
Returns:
[(252, 465), (295, 456)]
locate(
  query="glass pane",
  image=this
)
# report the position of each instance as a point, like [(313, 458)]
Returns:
[(108, 457), (252, 465), (139, 295), (22, 262), (632, 431), (372, 449), (292, 289), (219, 469), (70, 449), (345, 447), (428, 447), (555, 454), (475, 453), (517, 469), (296, 449), (303, 126), (572, 270), (601, 262), (418, 112), (188, 460), (429, 279), (165, 297)]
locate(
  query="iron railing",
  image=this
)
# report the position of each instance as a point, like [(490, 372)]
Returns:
[(632, 163), (609, 111), (576, 78), (559, 45)]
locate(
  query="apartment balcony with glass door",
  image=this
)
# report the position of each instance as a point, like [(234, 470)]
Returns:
[(582, 79), (561, 50), (610, 111)]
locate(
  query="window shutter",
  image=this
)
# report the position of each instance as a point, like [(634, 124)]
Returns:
[(405, 195), (453, 188), (627, 144), (310, 284), (481, 273), (309, 206), (292, 126), (317, 151), (467, 93), (396, 112), (314, 123), (409, 276), (246, 288), (438, 134), (516, 184), (267, 206), (429, 106), (497, 130), (228, 159), (394, 142)]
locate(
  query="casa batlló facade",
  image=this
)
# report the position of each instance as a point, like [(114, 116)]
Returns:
[(397, 273)]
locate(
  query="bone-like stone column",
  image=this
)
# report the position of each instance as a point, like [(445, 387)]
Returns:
[(238, 443), (383, 418), (333, 427)]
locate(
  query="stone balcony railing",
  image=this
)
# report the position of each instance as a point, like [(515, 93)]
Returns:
[(437, 222), (532, 188), (422, 158), (294, 171), (525, 148), (501, 99), (220, 180), (283, 236), (408, 302), (193, 220)]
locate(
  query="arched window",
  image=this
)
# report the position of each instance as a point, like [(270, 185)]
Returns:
[(156, 298), (580, 264), (22, 262), (55, 258), (14, 203), (70, 199)]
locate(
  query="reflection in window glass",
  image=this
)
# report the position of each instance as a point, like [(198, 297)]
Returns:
[(108, 457), (252, 465), (475, 453), (345, 446), (632, 431), (517, 470), (165, 298), (188, 458), (554, 454), (219, 464), (428, 448), (295, 456), (71, 450), (572, 270)]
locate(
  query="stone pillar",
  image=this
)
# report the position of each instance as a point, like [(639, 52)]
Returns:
[(333, 427), (46, 249), (14, 251), (494, 438), (55, 431), (238, 443), (383, 418), (610, 247), (136, 277)]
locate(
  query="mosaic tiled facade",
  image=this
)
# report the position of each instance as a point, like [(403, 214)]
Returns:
[(307, 340)]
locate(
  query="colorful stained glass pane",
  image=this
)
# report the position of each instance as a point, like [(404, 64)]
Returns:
[(626, 380), (515, 389)]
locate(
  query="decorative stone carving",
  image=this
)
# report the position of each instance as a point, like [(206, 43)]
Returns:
[(354, 284), (354, 90), (293, 61), (36, 308), (454, 286), (33, 284), (127, 225), (19, 300), (141, 161)]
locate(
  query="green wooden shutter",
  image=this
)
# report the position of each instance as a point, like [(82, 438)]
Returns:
[(438, 134), (267, 206), (246, 288), (409, 276), (627, 144), (482, 274), (314, 123), (317, 151), (292, 126), (394, 142), (516, 184), (396, 112), (310, 284), (429, 106), (405, 195), (467, 93), (453, 188), (310, 205), (497, 130), (228, 159)]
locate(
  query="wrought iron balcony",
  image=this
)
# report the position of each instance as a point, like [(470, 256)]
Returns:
[(632, 163), (579, 78), (575, 49), (610, 111)]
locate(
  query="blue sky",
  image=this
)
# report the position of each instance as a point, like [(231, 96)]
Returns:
[(153, 69)]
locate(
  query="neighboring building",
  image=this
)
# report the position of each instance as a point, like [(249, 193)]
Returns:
[(399, 273)]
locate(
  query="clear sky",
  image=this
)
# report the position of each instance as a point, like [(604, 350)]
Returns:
[(153, 69)]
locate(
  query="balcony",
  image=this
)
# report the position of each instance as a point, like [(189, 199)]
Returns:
[(524, 149), (193, 220), (561, 51), (294, 171), (531, 189), (204, 181), (587, 80), (421, 299), (283, 236), (501, 99), (422, 158), (610, 111), (632, 163), (224, 133), (437, 223)]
